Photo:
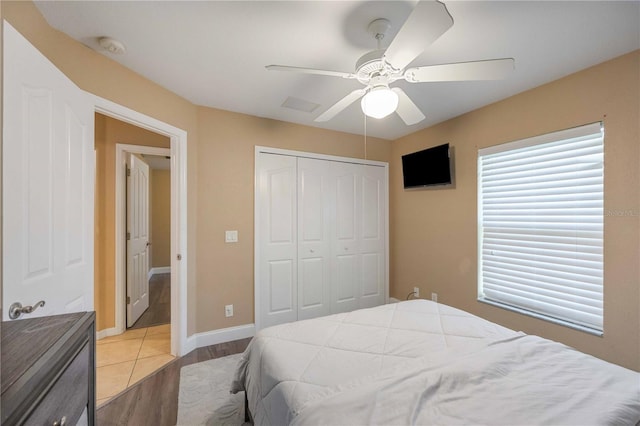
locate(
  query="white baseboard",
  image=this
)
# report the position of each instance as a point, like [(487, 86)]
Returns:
[(190, 344), (214, 337), (200, 340), (160, 270), (107, 332)]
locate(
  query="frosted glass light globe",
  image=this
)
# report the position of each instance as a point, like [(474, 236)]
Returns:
[(379, 102)]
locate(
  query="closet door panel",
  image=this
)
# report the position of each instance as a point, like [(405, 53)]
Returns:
[(312, 285), (281, 283), (346, 289), (346, 279), (372, 232), (370, 275), (345, 207), (371, 202), (315, 222), (277, 274)]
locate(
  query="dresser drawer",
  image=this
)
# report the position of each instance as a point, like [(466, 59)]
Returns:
[(67, 398)]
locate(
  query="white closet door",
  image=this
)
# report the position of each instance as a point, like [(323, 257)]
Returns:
[(316, 214), (372, 235), (277, 266), (321, 243), (346, 288)]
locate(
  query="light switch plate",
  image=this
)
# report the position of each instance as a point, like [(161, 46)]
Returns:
[(231, 236)]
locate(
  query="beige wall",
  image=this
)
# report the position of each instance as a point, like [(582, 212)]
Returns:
[(225, 201), (109, 132), (160, 218), (434, 241)]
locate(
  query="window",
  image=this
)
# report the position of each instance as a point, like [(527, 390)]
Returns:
[(540, 226)]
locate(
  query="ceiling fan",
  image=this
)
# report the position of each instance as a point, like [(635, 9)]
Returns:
[(379, 68)]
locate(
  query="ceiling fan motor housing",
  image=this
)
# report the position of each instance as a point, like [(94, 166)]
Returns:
[(370, 64)]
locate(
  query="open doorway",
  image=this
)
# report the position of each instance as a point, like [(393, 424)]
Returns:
[(126, 193), (180, 345)]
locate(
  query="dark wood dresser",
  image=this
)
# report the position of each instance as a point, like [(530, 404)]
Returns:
[(48, 370)]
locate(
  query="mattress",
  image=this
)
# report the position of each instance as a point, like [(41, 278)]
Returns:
[(420, 362)]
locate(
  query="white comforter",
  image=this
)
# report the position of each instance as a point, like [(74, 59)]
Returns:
[(419, 362)]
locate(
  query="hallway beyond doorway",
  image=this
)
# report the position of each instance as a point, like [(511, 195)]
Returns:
[(159, 311)]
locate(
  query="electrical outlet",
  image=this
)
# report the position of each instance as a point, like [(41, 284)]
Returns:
[(416, 292), (228, 311), (434, 297)]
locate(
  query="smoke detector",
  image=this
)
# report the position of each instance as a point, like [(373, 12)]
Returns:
[(111, 45)]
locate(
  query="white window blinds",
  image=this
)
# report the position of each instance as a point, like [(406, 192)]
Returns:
[(540, 226)]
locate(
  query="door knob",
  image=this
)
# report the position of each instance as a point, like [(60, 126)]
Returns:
[(16, 309)]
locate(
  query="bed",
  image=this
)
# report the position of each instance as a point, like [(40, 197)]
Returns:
[(420, 362)]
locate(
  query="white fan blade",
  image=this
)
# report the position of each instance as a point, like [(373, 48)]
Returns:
[(310, 71), (493, 69), (428, 21), (407, 110), (341, 104)]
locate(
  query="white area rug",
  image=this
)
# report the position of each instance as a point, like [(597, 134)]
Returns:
[(204, 397)]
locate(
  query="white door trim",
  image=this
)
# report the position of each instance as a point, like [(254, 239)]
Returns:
[(256, 215), (178, 153)]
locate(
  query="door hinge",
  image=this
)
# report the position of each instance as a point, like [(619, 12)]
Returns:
[(128, 236), (128, 172), (128, 300)]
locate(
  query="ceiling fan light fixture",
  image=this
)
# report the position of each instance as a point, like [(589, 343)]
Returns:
[(379, 102)]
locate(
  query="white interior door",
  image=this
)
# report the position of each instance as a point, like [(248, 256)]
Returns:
[(48, 176), (316, 216), (277, 264), (346, 259), (137, 238), (372, 236)]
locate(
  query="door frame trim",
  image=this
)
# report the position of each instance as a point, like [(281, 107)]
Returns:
[(178, 153)]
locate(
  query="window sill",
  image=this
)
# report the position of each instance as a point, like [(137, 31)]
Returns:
[(542, 317)]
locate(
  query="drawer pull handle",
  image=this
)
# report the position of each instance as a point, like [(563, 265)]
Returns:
[(62, 422)]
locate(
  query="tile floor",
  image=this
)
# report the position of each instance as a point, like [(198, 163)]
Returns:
[(125, 359)]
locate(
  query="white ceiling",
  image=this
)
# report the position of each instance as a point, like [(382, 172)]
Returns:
[(213, 53), (157, 162)]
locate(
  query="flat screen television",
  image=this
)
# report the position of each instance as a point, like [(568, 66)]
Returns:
[(429, 167)]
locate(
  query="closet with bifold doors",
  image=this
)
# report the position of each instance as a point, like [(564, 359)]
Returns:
[(321, 244)]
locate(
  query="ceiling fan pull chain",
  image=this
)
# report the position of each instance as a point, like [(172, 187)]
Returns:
[(365, 136)]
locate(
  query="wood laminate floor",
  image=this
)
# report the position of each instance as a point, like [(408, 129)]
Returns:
[(159, 311), (154, 400)]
